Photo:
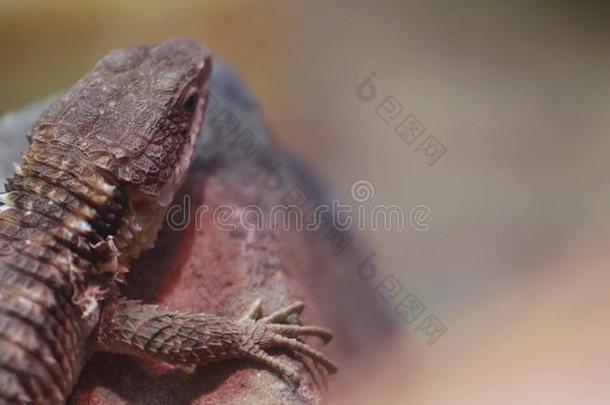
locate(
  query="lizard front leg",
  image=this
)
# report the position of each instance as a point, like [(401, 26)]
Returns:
[(190, 339)]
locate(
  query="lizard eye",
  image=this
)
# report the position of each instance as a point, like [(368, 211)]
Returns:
[(191, 101)]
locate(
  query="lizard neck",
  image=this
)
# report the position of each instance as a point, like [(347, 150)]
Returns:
[(60, 227), (84, 206), (63, 203)]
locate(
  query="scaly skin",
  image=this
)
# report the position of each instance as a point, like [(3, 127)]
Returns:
[(104, 162)]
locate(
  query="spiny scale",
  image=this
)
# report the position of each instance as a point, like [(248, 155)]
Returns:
[(56, 208)]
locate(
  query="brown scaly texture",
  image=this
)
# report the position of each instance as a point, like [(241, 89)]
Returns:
[(104, 162)]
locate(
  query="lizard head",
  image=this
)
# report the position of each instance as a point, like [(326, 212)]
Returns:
[(136, 116), (164, 91)]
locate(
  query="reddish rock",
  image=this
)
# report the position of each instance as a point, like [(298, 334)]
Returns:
[(203, 268)]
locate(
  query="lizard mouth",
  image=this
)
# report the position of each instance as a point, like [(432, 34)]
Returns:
[(149, 214), (168, 191), (150, 217)]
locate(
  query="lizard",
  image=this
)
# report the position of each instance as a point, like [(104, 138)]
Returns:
[(104, 162)]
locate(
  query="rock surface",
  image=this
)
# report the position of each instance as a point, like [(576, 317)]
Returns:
[(207, 261)]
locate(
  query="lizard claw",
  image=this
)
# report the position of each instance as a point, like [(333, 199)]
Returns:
[(282, 314), (272, 332), (254, 311)]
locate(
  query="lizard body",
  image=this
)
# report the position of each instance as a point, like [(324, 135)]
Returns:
[(104, 162)]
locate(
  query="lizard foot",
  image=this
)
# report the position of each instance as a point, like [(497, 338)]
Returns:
[(188, 340), (272, 332)]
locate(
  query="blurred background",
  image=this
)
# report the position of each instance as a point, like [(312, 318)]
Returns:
[(515, 263)]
